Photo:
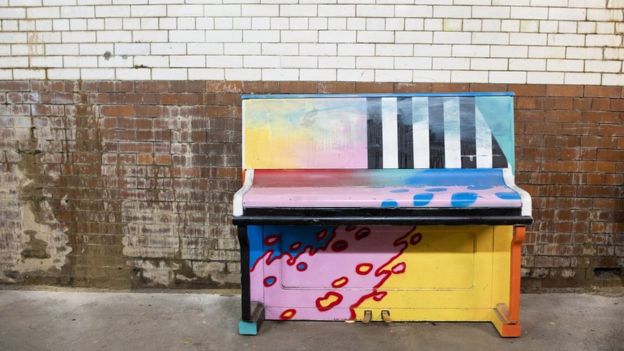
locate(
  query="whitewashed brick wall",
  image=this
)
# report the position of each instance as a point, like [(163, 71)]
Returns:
[(497, 41)]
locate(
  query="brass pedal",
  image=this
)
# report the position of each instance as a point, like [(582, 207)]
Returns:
[(368, 316), (385, 316)]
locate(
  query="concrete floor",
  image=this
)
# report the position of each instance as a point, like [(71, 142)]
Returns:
[(83, 320)]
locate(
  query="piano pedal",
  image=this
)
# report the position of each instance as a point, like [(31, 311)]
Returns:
[(385, 316), (368, 316)]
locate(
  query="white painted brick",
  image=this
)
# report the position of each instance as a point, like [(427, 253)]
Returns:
[(530, 26), (80, 37), (529, 12), (95, 24), (375, 11), (317, 23), (586, 27), (167, 23), (151, 61), (116, 61), (43, 12), (356, 49), (356, 75), (413, 11), (187, 61), (527, 39), (375, 23), (545, 77), (584, 53), (7, 12), (469, 76), (547, 52), (261, 61), (548, 26), (169, 73), (46, 61), (567, 27), (237, 23), (10, 25), (150, 36), (14, 61), (491, 11), (204, 48), (385, 75), (27, 50), (491, 25), (603, 66), (487, 64), (97, 73), (148, 10), (614, 53), (221, 23), (298, 23), (222, 10), (585, 3), (374, 62), (280, 74), (507, 77), (414, 37), (335, 36), (298, 10), (510, 25), (356, 23), (318, 49), (113, 23), (582, 78), (432, 50), (43, 25), (299, 36), (605, 15), (132, 49), (63, 73), (613, 79), (206, 73), (5, 50), (336, 23), (566, 39), (108, 36), (566, 14), (78, 24), (431, 76), (243, 74), (223, 36), (241, 48), (605, 28), (491, 38), (564, 65), (452, 25), (133, 73), (434, 24), (317, 74), (511, 2), (185, 10), (415, 24), (278, 49), (337, 62), (80, 61), (471, 50), (63, 49), (77, 11), (168, 48), (224, 61), (187, 36), (261, 36), (452, 11), (336, 10), (12, 37), (29, 74), (260, 10), (451, 63), (394, 50), (6, 74), (111, 11), (603, 40), (412, 62), (299, 62), (369, 36), (527, 64), (451, 38)]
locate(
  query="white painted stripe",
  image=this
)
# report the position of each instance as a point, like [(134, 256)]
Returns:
[(420, 131), (238, 196), (389, 132), (525, 197), (452, 139), (483, 141)]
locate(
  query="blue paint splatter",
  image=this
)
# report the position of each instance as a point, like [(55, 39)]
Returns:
[(436, 190), (463, 199), (508, 196), (399, 190), (479, 187), (422, 199), (389, 203)]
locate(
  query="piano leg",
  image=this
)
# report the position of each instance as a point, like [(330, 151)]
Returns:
[(252, 315)]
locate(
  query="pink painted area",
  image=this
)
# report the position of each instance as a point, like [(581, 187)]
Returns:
[(351, 268), (358, 196)]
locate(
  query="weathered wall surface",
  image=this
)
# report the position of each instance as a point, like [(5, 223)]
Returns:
[(129, 183)]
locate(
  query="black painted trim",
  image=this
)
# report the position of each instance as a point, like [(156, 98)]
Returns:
[(374, 135), (243, 240)]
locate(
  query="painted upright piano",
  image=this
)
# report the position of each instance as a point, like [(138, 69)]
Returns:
[(380, 207)]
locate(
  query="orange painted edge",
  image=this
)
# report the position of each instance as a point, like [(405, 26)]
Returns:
[(516, 262), (511, 330)]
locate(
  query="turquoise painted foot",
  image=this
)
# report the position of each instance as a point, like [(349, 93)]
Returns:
[(252, 326)]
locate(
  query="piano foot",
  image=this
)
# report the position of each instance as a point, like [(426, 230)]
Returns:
[(252, 326), (385, 316), (368, 316)]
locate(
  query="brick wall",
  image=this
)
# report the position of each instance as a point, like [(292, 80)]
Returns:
[(477, 41), (129, 183)]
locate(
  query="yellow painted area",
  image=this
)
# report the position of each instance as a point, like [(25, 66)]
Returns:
[(454, 273)]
